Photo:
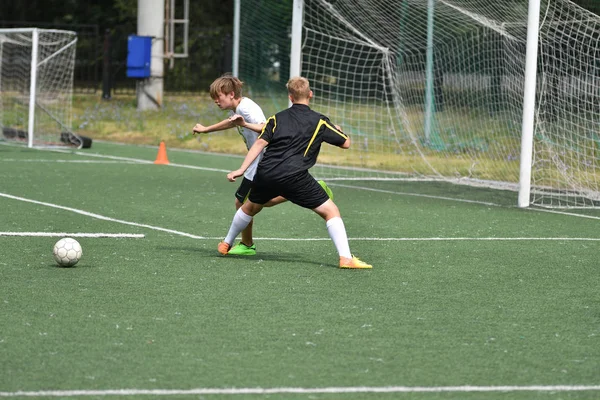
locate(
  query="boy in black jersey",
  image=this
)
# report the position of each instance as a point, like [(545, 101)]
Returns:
[(292, 139)]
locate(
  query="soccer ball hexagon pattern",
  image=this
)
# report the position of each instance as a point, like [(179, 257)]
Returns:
[(67, 252)]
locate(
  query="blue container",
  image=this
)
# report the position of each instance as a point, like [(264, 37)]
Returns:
[(139, 50)]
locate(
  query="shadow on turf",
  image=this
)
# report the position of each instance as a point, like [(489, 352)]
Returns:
[(78, 266), (265, 256)]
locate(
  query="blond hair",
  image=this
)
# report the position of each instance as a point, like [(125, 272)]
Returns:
[(298, 87), (226, 84)]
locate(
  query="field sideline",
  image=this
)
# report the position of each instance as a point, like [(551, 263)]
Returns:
[(470, 297)]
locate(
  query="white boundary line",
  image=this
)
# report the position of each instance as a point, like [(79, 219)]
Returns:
[(102, 217), (532, 208), (45, 161), (179, 233), (565, 213), (83, 235), (485, 203), (337, 390), (152, 162), (141, 161), (436, 239)]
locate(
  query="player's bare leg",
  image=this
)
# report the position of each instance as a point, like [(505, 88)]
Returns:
[(337, 231), (328, 210), (241, 219), (251, 208), (247, 238), (274, 201), (246, 246)]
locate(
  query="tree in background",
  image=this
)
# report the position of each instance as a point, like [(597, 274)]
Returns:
[(210, 31)]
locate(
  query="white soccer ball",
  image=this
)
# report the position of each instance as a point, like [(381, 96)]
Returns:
[(67, 252)]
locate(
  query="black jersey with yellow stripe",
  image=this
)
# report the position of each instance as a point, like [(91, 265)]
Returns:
[(295, 136)]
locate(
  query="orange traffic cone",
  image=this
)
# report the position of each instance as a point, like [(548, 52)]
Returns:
[(161, 158)]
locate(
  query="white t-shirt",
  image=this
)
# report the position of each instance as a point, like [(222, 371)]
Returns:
[(253, 114)]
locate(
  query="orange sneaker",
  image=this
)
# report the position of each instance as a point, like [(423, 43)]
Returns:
[(223, 248), (353, 263)]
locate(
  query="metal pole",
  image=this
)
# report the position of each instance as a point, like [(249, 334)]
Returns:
[(32, 87), (527, 127), (236, 39), (151, 22), (429, 102), (296, 46), (106, 84)]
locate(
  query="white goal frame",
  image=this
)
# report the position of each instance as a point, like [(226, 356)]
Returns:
[(471, 93), (529, 96), (37, 90)]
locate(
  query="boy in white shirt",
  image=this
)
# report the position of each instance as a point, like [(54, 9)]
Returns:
[(226, 91)]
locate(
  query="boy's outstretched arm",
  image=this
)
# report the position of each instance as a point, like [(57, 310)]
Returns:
[(238, 120), (219, 126), (254, 151), (346, 144)]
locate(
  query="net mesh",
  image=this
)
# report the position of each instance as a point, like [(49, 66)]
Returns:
[(439, 95), (53, 86)]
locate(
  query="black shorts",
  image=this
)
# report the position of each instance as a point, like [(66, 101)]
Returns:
[(243, 190), (301, 189)]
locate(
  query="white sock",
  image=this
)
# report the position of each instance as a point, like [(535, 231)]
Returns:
[(337, 232), (239, 223)]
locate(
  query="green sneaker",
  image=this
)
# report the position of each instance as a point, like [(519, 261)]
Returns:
[(326, 188), (241, 249)]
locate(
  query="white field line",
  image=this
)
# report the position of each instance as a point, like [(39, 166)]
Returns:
[(485, 203), (102, 217), (152, 162), (123, 159), (158, 228), (437, 239), (65, 234), (296, 390), (141, 161), (335, 184), (565, 213), (460, 200), (71, 161), (175, 149)]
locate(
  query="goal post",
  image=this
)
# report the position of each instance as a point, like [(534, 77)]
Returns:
[(527, 128), (441, 95), (36, 86)]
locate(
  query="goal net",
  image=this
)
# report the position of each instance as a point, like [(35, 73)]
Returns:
[(436, 93), (36, 86)]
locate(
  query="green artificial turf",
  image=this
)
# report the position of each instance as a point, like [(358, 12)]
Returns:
[(454, 298)]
